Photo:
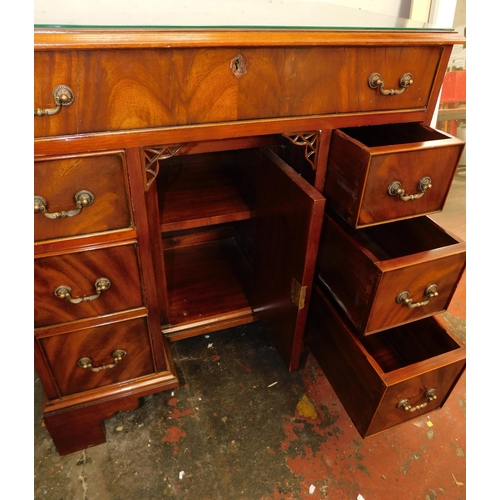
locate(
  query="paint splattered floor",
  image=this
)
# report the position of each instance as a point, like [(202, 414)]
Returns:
[(242, 427)]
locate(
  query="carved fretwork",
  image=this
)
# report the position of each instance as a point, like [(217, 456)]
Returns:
[(152, 157), (308, 139)]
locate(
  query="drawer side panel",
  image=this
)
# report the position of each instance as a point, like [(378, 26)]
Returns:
[(353, 378)]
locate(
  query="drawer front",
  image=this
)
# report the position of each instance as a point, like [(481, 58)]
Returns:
[(131, 89), (413, 397), (392, 274), (388, 378), (418, 284), (101, 350), (68, 184), (406, 171), (86, 294)]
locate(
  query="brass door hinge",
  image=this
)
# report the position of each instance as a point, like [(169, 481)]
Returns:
[(298, 294)]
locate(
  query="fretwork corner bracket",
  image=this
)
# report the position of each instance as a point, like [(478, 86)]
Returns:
[(310, 140), (152, 157)]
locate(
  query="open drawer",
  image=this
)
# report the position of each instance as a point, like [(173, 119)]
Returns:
[(391, 274), (388, 378), (383, 173)]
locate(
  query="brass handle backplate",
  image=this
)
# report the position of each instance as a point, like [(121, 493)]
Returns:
[(375, 81), (63, 96), (396, 189), (404, 297), (404, 404), (86, 363), (83, 199), (64, 292)]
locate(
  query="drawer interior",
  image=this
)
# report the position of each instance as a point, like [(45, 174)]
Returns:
[(408, 344), (393, 134), (402, 238)]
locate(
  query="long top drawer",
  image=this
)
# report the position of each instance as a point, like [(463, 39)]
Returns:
[(138, 83)]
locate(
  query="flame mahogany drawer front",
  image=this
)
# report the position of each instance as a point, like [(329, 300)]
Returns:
[(100, 356), (167, 87), (388, 172), (87, 283), (80, 195), (391, 274), (387, 378)]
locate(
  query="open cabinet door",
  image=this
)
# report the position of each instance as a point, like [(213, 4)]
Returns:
[(289, 214)]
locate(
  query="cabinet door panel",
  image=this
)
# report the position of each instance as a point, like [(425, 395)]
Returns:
[(289, 214)]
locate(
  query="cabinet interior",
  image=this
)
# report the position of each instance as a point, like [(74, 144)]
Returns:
[(207, 210)]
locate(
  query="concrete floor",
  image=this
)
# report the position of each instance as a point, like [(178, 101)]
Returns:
[(242, 427)]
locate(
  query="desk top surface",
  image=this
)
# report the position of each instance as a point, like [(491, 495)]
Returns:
[(196, 14)]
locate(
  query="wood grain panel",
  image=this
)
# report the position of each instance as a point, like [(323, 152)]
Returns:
[(64, 351), (206, 283), (355, 378), (203, 190), (170, 87), (79, 271), (289, 214), (58, 180)]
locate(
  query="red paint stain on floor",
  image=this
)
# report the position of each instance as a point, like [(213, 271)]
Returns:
[(290, 436), (178, 415), (173, 435), (339, 464)]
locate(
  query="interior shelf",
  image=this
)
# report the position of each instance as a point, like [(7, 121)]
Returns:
[(203, 192), (207, 284)]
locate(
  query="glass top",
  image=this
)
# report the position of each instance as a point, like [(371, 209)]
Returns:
[(198, 14)]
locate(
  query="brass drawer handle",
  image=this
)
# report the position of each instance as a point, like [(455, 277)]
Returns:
[(86, 363), (404, 297), (63, 96), (64, 292), (396, 189), (83, 199), (404, 404), (375, 81)]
